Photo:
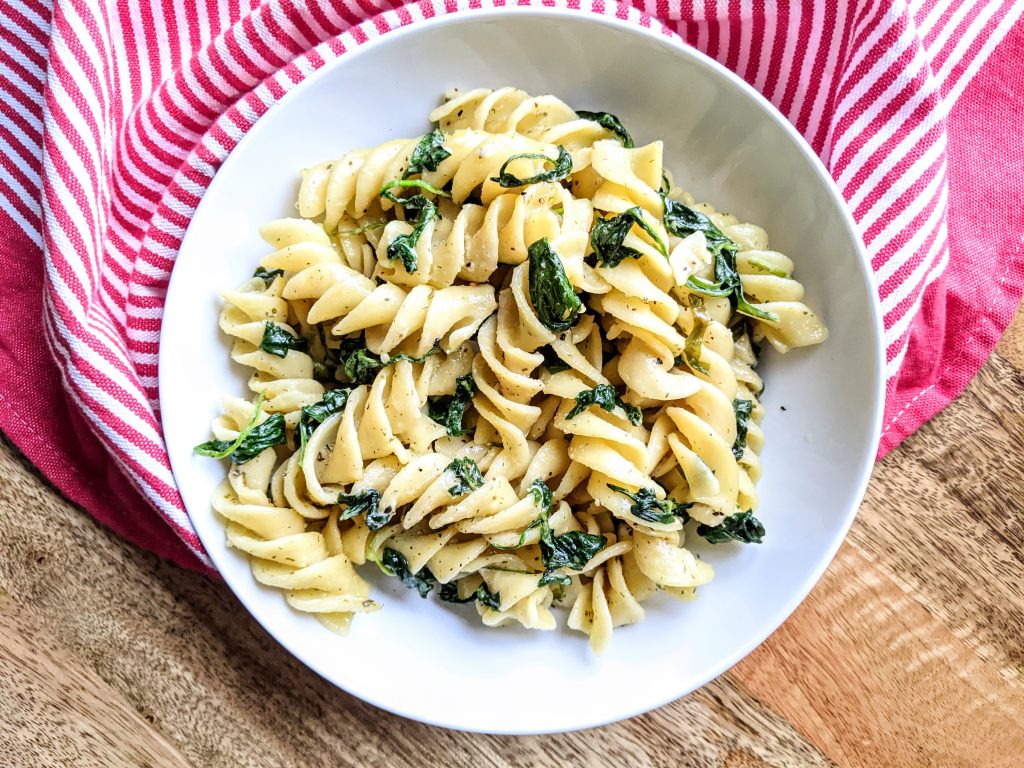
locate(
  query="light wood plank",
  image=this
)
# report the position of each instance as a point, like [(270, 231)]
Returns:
[(869, 675), (56, 711)]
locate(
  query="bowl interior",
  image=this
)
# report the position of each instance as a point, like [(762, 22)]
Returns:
[(427, 660)]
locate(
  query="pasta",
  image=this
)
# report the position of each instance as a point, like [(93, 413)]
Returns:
[(507, 361)]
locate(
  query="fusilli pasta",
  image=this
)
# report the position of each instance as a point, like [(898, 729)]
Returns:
[(507, 361)]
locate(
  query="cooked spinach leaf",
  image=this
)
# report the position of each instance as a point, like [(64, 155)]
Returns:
[(604, 396), (403, 247), (267, 275), (572, 549), (695, 339), (311, 416), (552, 362), (742, 526), (743, 410), (608, 235), (428, 153), (767, 268), (326, 368), (541, 496), (277, 341), (522, 536), (611, 123), (646, 506), (394, 563), (553, 576), (468, 475), (360, 366), (251, 441), (682, 221), (666, 184), (562, 168), (450, 594), (366, 503), (558, 307), (413, 202), (449, 410)]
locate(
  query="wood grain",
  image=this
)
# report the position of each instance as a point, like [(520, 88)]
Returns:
[(908, 653), (57, 711)]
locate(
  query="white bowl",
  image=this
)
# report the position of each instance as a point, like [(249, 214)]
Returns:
[(727, 145)]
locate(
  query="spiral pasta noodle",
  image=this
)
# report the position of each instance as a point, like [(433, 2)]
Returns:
[(507, 362)]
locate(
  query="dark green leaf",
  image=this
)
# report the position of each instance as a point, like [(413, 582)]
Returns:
[(646, 506), (767, 268), (267, 275), (428, 154), (409, 202), (743, 410), (742, 526), (394, 563), (403, 247), (695, 339), (558, 307), (450, 594), (604, 396), (745, 307), (360, 366), (522, 536), (682, 221), (572, 549), (608, 235), (554, 577), (368, 504), (468, 475), (277, 341), (251, 441), (552, 362), (719, 290), (325, 368), (611, 123), (449, 410), (311, 416), (541, 496), (562, 168)]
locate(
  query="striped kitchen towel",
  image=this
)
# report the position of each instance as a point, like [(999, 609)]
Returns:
[(115, 115)]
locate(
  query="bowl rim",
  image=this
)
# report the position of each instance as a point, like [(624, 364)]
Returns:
[(655, 31)]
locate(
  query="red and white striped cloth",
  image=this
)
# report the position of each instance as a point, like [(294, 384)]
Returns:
[(115, 115)]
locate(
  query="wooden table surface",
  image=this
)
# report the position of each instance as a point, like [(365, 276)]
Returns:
[(910, 652)]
